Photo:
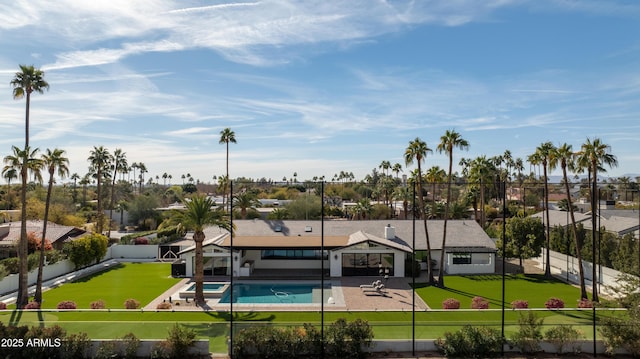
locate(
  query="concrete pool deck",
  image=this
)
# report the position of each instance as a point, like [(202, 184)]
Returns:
[(347, 294)]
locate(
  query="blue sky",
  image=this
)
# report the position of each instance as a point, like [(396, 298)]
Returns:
[(319, 87)]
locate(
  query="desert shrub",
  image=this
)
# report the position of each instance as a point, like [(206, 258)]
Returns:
[(164, 305), (519, 304), (3, 271), (342, 339), (479, 303), (3, 306), (76, 346), (529, 333), (554, 303), (585, 303), (471, 342), (562, 337), (67, 304), (98, 304), (54, 334), (32, 305), (131, 343), (107, 349), (12, 265), (179, 340), (347, 339), (131, 304), (451, 303), (160, 350)]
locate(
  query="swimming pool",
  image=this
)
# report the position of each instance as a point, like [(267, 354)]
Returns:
[(210, 290), (277, 293)]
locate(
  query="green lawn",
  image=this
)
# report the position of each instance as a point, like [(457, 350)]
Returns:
[(146, 281), (140, 281), (534, 288)]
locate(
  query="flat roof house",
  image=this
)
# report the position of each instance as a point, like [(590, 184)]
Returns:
[(343, 248)]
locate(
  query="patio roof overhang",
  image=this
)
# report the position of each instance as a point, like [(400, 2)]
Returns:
[(266, 242)]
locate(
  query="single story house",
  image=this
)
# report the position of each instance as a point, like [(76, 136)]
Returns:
[(56, 234), (341, 247)]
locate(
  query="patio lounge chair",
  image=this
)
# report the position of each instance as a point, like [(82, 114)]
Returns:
[(372, 285), (377, 288)]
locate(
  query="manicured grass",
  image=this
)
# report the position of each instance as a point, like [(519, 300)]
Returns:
[(146, 281), (141, 281), (534, 288)]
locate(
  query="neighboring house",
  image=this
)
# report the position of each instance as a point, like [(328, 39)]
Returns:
[(56, 234), (619, 222), (347, 248)]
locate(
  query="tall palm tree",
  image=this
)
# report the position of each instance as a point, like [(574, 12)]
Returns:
[(24, 161), (9, 174), (417, 151), (120, 165), (543, 152), (198, 215), (481, 173), (448, 142), (564, 156), (26, 81), (75, 177), (596, 154), (52, 161), (435, 175), (100, 162), (245, 200), (143, 170), (397, 168), (227, 136)]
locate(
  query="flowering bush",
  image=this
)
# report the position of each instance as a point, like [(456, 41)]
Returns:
[(554, 303), (67, 304), (131, 304), (3, 305), (98, 304), (163, 305), (479, 303), (585, 303), (141, 240), (32, 305), (519, 304), (451, 303)]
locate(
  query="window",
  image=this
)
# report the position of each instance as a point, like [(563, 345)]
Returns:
[(292, 254), (461, 258)]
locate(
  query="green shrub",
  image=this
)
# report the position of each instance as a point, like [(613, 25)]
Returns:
[(529, 333), (131, 345), (76, 346), (12, 265), (180, 339), (564, 336), (471, 342), (342, 340), (107, 349)]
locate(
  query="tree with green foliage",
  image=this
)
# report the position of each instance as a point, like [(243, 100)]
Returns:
[(119, 160), (26, 81), (53, 161), (199, 214), (99, 164), (143, 211), (525, 238), (448, 142), (227, 136), (86, 250), (623, 331), (417, 151), (245, 200), (307, 206)]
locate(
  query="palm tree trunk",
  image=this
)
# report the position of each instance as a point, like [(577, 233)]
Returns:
[(23, 266), (547, 267), (38, 295), (444, 229), (583, 288), (426, 230), (198, 237)]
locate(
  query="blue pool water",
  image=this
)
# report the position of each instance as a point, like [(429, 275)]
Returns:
[(207, 287), (273, 293)]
